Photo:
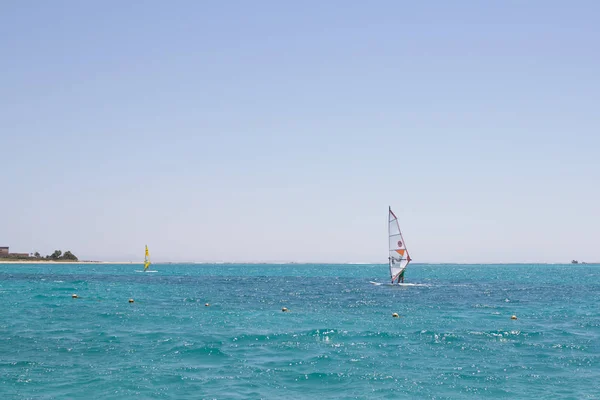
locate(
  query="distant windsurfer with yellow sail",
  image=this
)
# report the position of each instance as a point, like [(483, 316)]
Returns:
[(147, 259)]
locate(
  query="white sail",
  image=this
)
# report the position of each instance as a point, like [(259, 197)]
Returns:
[(398, 254)]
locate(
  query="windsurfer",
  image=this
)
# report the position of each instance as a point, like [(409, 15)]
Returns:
[(401, 277)]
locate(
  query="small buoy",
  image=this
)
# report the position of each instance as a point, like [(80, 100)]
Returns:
[(206, 304), (513, 317), (395, 315), (74, 296), (284, 309), (131, 300)]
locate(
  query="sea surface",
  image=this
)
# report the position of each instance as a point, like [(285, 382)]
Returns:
[(454, 337)]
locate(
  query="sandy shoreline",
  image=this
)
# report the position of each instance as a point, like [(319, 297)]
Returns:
[(70, 262)]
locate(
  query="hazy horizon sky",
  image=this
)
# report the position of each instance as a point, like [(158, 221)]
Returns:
[(279, 131)]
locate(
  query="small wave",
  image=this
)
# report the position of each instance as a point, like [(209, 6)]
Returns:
[(256, 338), (504, 334), (416, 284), (401, 284), (485, 306), (63, 288), (321, 334), (440, 337), (324, 376), (200, 350)]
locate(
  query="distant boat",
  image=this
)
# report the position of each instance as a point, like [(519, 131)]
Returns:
[(398, 253), (147, 259), (574, 262)]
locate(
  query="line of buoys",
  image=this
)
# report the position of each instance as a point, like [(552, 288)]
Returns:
[(75, 296), (283, 309)]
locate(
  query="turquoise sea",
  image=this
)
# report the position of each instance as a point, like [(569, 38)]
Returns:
[(454, 338)]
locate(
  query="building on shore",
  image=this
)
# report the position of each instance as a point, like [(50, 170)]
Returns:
[(4, 252)]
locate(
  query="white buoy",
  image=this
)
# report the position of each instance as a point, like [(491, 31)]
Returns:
[(284, 309), (131, 300), (513, 317), (74, 296), (395, 315), (206, 304)]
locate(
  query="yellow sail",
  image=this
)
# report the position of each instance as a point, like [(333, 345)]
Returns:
[(147, 259)]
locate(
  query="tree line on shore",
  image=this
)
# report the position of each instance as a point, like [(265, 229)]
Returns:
[(58, 255)]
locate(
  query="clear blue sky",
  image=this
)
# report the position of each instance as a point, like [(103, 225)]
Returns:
[(272, 130)]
